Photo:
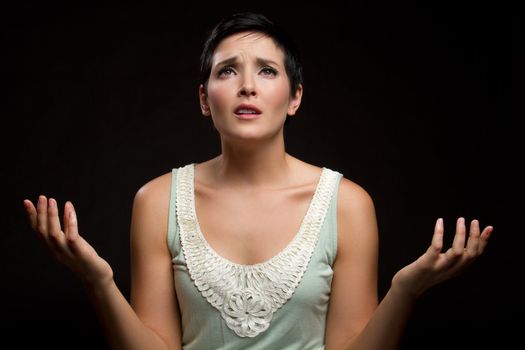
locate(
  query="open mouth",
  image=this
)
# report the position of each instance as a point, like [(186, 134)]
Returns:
[(246, 111)]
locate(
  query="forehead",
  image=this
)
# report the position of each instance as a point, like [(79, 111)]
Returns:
[(246, 45)]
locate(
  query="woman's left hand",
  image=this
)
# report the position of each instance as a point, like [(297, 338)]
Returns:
[(434, 267)]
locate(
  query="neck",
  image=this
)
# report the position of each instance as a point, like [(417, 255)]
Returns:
[(254, 166)]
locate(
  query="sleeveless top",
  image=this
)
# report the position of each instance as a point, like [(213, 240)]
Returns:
[(277, 304)]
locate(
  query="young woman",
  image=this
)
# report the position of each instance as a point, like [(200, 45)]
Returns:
[(253, 249)]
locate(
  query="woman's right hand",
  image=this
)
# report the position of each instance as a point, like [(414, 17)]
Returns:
[(67, 246)]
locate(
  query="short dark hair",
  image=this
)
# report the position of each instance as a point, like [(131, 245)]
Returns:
[(253, 22)]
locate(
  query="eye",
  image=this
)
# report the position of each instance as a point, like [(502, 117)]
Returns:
[(225, 71), (269, 71)]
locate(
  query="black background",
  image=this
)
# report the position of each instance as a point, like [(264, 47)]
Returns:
[(417, 103)]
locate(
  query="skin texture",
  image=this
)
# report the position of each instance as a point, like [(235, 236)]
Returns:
[(252, 164)]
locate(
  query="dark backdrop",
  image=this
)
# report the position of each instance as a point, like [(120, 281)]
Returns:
[(416, 103)]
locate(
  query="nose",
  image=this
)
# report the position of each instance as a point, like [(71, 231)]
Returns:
[(247, 88)]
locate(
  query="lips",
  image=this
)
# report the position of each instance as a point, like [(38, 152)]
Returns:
[(247, 111)]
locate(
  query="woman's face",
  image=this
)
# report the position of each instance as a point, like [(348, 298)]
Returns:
[(248, 69)]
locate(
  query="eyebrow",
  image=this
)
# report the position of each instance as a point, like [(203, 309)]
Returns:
[(233, 61)]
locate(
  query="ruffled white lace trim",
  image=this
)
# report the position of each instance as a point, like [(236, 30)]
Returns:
[(248, 295)]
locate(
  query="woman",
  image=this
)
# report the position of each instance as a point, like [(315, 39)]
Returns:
[(253, 249)]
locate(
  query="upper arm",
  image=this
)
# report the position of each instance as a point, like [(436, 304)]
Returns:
[(353, 297), (153, 295)]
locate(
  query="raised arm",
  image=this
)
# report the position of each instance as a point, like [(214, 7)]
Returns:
[(382, 328), (124, 327)]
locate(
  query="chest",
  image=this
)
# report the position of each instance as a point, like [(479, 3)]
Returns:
[(249, 228)]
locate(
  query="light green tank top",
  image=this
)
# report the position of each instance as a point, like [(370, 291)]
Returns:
[(278, 304)]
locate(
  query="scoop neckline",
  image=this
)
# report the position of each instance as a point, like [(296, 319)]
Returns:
[(276, 256)]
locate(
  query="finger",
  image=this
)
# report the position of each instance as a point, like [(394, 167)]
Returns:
[(53, 224), (473, 240), (484, 237), (437, 238), (73, 238), (31, 213), (41, 216), (458, 245), (33, 218), (65, 218)]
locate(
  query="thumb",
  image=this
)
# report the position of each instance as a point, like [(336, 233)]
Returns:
[(72, 235)]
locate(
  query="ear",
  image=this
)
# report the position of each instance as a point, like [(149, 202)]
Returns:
[(295, 101), (203, 100)]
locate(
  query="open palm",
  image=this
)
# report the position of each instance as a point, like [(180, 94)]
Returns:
[(67, 246), (434, 267)]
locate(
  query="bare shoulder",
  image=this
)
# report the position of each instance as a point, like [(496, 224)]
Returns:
[(150, 206), (353, 198), (154, 189), (356, 217)]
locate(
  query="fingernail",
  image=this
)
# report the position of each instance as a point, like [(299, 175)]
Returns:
[(51, 203)]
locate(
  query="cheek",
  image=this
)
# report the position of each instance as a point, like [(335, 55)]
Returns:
[(218, 97), (278, 94)]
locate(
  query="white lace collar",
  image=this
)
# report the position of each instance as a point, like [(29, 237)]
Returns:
[(248, 295)]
